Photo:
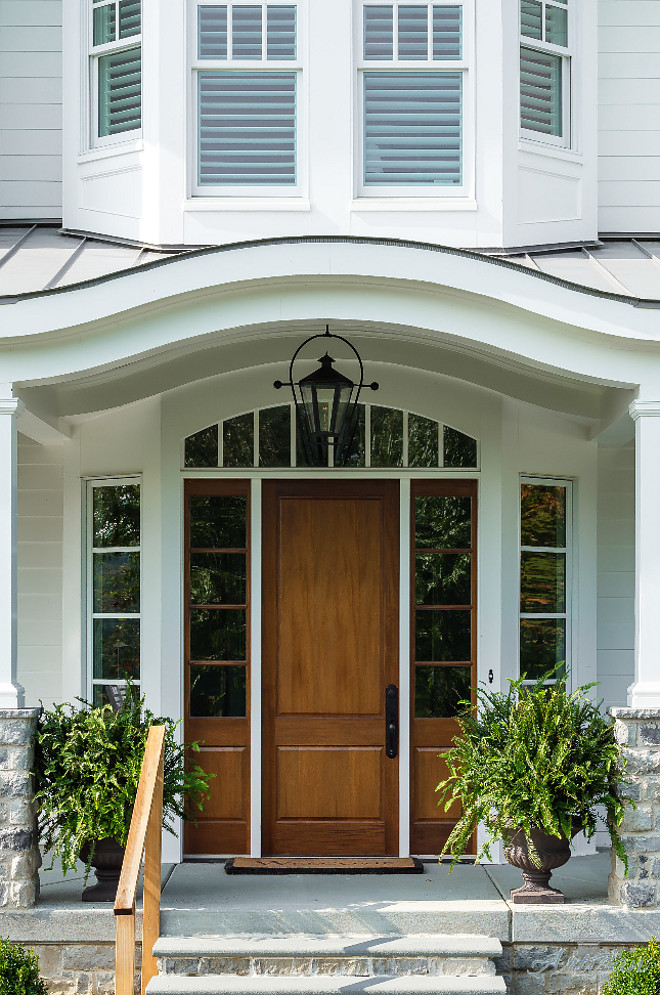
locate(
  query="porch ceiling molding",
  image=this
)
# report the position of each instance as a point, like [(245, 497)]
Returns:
[(416, 295)]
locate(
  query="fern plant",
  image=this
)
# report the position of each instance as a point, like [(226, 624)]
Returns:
[(19, 970), (537, 755), (636, 971), (87, 768)]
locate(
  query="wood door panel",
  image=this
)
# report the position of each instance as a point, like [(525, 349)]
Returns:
[(330, 648), (342, 782), (429, 769), (308, 588), (230, 768)]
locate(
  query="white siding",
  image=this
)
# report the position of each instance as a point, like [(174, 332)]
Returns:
[(616, 572), (30, 108), (629, 115), (40, 503)]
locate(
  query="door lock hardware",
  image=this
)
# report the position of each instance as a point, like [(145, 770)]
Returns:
[(391, 721)]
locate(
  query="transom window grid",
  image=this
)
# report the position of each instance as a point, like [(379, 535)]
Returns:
[(246, 84), (386, 438), (546, 580), (546, 43), (115, 71), (413, 99), (113, 586)]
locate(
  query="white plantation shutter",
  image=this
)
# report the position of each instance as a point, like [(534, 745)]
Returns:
[(378, 31), (246, 32), (447, 32), (212, 32), (412, 128), (280, 31), (247, 128), (541, 102), (119, 92), (129, 18)]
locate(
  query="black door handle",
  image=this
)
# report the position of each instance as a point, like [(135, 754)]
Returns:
[(391, 721)]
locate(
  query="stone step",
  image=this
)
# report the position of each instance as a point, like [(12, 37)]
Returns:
[(309, 956), (213, 984)]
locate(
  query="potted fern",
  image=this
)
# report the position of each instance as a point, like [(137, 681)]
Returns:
[(532, 766), (87, 768)]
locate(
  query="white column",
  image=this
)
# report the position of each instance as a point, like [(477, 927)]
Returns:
[(645, 691), (12, 695)]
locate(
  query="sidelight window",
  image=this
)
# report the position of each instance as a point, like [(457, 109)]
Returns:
[(545, 575), (246, 71), (545, 71), (113, 586), (115, 70)]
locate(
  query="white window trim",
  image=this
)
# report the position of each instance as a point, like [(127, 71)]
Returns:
[(88, 622), (95, 141), (570, 614), (251, 193), (567, 139), (433, 193)]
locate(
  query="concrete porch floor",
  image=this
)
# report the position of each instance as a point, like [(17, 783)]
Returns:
[(200, 899)]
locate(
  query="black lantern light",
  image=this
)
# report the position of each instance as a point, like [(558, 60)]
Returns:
[(326, 405)]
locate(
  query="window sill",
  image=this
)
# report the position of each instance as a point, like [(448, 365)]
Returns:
[(426, 204), (111, 151), (549, 151), (278, 204)]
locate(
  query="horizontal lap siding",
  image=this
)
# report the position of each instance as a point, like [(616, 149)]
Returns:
[(30, 109), (629, 115), (616, 573), (40, 516)]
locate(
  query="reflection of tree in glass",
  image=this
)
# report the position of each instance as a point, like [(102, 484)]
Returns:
[(217, 634), (442, 579), (442, 635), (542, 645), (275, 436), (459, 450), (217, 691), (443, 522), (201, 449), (116, 582), (423, 445), (116, 648), (218, 522), (542, 515), (355, 454), (438, 691), (116, 511), (542, 582), (386, 436), (217, 578), (238, 441)]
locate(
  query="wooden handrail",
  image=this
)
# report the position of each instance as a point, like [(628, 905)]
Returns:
[(144, 837)]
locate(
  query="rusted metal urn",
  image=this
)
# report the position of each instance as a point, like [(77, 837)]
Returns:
[(553, 852), (107, 860)]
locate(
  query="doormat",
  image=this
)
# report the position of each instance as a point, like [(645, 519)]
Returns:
[(324, 865)]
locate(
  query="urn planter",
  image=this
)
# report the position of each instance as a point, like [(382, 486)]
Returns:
[(552, 851), (107, 860)]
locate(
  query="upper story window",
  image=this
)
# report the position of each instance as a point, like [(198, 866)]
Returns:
[(412, 79), (245, 70), (545, 71), (116, 70)]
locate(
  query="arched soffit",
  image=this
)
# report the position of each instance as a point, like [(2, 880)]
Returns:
[(417, 293)]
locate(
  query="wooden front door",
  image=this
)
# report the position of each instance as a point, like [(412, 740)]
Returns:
[(330, 650)]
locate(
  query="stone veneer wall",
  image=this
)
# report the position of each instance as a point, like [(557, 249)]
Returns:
[(19, 854), (637, 732)]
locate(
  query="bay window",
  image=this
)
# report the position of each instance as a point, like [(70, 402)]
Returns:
[(412, 76), (545, 71), (245, 71), (115, 70)]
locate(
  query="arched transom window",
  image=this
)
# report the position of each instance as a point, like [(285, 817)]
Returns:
[(385, 438)]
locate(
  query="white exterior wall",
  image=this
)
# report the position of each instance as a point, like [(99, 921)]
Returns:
[(629, 116), (30, 109), (40, 534), (616, 573)]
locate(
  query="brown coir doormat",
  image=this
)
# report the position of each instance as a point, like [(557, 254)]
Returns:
[(324, 865)]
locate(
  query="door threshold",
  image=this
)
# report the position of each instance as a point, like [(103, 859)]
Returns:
[(324, 865)]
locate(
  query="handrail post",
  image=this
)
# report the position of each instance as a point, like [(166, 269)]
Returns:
[(125, 954), (152, 861)]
